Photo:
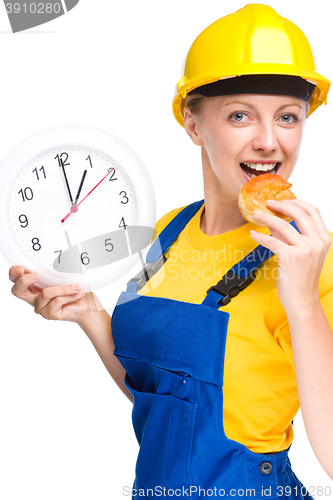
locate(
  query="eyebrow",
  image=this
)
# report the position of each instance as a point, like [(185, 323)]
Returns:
[(255, 107)]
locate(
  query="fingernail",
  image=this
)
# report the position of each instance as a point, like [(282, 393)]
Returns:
[(81, 293), (18, 270), (271, 201), (34, 276), (257, 212), (75, 287)]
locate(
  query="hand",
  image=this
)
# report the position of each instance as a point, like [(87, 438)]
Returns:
[(53, 303), (80, 187), (300, 256), (66, 180)]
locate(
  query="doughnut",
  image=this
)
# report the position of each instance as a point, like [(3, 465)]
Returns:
[(258, 190)]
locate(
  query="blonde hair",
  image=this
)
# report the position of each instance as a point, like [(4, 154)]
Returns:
[(196, 103)]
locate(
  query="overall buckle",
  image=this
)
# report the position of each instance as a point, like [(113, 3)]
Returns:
[(148, 270), (231, 284)]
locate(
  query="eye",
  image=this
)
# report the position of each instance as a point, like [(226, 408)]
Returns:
[(237, 117), (292, 116), (237, 114)]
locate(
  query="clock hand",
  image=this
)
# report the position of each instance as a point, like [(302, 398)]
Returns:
[(75, 207), (69, 191), (80, 187)]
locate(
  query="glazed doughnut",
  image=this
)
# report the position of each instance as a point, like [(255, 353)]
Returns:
[(258, 190)]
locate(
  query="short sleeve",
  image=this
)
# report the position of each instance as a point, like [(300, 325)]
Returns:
[(284, 340), (164, 221)]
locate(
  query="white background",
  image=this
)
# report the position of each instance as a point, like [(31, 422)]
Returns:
[(65, 427)]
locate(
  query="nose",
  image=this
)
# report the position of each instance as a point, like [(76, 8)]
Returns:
[(265, 138)]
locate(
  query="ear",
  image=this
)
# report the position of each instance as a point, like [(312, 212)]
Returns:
[(191, 127)]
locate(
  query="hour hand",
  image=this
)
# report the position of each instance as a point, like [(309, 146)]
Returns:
[(80, 188)]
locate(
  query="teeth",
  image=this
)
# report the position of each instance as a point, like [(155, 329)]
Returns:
[(259, 166), (263, 168)]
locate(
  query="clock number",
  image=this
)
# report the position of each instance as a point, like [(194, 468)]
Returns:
[(107, 244), (61, 162), (35, 170), (59, 252), (122, 223), (24, 221), (35, 244), (87, 259), (88, 158), (125, 196), (26, 194), (112, 175)]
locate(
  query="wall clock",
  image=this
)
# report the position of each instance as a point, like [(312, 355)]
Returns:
[(77, 205)]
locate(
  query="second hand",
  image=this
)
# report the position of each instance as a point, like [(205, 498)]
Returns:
[(75, 207)]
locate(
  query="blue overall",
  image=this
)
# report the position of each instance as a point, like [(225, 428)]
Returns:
[(173, 354)]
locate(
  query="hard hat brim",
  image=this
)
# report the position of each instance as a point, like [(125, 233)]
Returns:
[(319, 95)]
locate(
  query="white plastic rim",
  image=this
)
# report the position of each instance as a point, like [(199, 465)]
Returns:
[(65, 135)]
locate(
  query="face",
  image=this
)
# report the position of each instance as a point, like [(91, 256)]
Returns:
[(257, 129)]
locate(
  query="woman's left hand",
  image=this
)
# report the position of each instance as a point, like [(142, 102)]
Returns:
[(300, 256)]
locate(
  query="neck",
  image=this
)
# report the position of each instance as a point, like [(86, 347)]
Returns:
[(221, 213), (217, 218)]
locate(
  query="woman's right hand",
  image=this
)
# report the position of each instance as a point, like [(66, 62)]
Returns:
[(65, 303)]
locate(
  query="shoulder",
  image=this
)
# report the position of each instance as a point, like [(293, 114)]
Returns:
[(165, 219)]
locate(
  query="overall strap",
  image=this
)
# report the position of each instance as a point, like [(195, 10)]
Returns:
[(155, 256), (240, 276), (171, 232)]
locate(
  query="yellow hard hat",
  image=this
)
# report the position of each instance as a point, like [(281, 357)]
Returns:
[(255, 40)]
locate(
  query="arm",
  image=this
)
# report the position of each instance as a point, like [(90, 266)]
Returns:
[(69, 303), (98, 329), (312, 343), (301, 258)]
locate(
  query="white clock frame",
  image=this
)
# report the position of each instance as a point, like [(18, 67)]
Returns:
[(65, 135)]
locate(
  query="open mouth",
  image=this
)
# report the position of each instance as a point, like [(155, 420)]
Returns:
[(253, 169)]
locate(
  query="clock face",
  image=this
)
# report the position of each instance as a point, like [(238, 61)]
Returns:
[(46, 191), (75, 212)]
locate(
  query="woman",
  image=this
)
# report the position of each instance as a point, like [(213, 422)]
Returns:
[(216, 379)]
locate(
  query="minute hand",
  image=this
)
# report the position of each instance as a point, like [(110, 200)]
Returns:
[(66, 180), (75, 207)]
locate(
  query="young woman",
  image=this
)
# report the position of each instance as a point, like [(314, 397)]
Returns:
[(217, 377)]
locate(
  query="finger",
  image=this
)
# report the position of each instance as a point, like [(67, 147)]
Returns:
[(307, 217), (49, 293), (315, 215), (278, 235), (274, 244), (15, 272), (282, 227), (53, 309), (21, 287)]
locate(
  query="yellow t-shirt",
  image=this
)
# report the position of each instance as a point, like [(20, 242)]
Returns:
[(260, 391)]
